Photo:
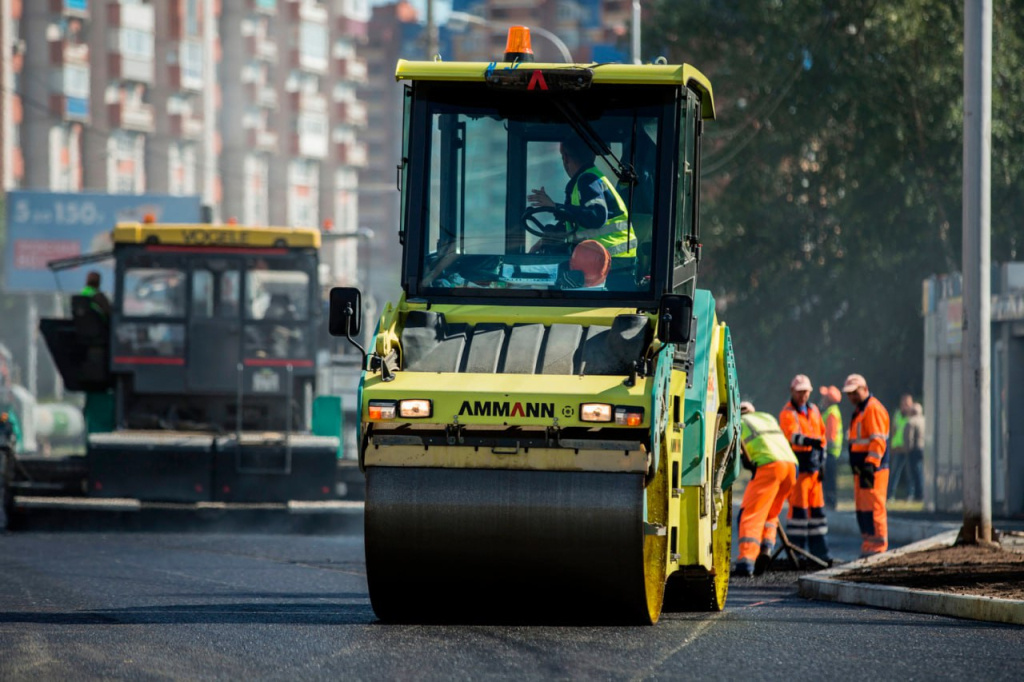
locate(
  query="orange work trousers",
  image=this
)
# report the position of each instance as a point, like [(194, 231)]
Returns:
[(807, 525), (871, 516), (762, 502)]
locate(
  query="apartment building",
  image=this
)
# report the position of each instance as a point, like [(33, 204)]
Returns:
[(592, 30), (12, 164), (290, 120), (251, 104)]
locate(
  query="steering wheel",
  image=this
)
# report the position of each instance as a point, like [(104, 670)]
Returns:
[(533, 225)]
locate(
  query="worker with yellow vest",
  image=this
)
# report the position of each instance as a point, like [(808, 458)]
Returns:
[(593, 209), (830, 399), (766, 452), (897, 442), (868, 440)]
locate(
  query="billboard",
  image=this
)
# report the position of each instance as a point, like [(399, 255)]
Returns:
[(45, 226)]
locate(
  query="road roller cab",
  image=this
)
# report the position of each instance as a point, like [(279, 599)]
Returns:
[(549, 411)]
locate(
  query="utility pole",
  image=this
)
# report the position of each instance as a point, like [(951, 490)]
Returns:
[(635, 34), (431, 37), (977, 296)]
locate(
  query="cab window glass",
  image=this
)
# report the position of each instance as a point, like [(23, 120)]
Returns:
[(215, 293), (149, 339), (153, 292), (274, 294), (523, 194)]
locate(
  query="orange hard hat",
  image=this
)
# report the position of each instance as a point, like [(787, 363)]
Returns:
[(832, 393), (592, 259)]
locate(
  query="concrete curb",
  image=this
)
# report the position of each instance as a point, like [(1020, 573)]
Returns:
[(901, 531), (828, 585)]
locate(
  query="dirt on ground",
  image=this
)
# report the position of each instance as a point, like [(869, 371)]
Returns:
[(992, 571)]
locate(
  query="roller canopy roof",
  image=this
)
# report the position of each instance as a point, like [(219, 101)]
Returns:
[(606, 74)]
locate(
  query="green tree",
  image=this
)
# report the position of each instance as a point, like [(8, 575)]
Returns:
[(832, 177)]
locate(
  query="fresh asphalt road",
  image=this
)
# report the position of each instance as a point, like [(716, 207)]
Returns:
[(172, 605)]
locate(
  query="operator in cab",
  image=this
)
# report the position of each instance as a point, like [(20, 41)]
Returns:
[(98, 300), (592, 207)]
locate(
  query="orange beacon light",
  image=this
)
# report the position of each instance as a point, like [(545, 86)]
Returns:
[(517, 47)]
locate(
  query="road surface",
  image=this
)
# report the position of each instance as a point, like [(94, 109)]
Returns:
[(146, 605)]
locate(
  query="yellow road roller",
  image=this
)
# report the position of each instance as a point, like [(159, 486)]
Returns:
[(549, 412)]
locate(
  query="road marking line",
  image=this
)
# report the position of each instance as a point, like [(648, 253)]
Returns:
[(687, 641)]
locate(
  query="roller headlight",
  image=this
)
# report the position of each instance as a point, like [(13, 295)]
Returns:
[(595, 412), (415, 409)]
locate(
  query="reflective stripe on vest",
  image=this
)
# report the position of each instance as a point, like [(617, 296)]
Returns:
[(811, 409), (614, 235), (764, 440)]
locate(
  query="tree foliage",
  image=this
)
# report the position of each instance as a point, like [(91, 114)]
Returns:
[(832, 177)]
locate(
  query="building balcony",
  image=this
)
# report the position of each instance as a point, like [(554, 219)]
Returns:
[(260, 95), (180, 78), (124, 68), (303, 10), (137, 117), (186, 126), (303, 102), (351, 69), (67, 52), (261, 48), (307, 62), (261, 140), (351, 28), (70, 8), (131, 16), (70, 108), (352, 112), (309, 146), (351, 153)]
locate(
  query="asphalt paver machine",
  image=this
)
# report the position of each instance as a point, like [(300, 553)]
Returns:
[(547, 434), (200, 385)]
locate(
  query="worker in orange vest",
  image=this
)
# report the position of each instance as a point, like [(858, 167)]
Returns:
[(766, 453), (868, 438), (804, 428)]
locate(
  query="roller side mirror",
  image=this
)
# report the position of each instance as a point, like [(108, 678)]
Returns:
[(675, 318)]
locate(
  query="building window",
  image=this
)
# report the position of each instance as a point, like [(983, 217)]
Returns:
[(126, 162), (255, 206), (313, 44), (192, 61), (136, 43), (182, 161), (312, 124), (192, 18), (65, 160), (303, 192), (76, 80)]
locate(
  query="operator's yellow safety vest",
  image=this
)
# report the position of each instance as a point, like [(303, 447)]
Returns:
[(901, 425), (614, 235), (764, 440), (834, 447)]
